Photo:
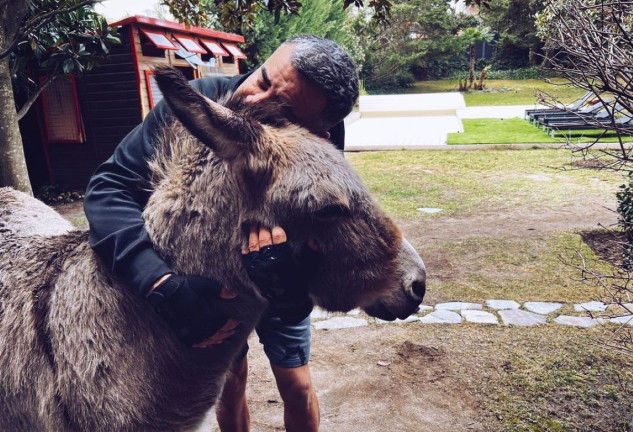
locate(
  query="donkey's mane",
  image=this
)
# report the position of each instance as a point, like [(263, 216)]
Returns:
[(271, 112), (177, 147)]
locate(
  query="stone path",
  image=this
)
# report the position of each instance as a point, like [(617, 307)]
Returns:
[(492, 312)]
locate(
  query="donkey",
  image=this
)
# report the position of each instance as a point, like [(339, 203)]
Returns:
[(80, 351)]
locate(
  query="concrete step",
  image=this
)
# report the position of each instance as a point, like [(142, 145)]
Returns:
[(414, 105)]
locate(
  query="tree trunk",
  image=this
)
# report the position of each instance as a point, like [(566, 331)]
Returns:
[(471, 73), (12, 163)]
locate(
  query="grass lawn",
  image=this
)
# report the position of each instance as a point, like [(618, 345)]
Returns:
[(463, 182), (500, 186), (491, 188), (510, 230), (519, 131), (495, 188), (502, 92)]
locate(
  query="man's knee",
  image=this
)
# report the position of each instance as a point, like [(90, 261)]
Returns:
[(295, 384)]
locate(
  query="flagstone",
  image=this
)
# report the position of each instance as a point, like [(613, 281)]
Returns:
[(442, 317), (542, 308), (502, 304), (594, 306), (408, 319), (517, 317), (458, 306), (479, 317), (625, 319), (575, 321), (340, 323)]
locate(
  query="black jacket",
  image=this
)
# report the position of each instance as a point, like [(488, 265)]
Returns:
[(120, 189)]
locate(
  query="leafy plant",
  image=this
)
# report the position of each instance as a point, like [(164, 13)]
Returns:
[(625, 218), (58, 194)]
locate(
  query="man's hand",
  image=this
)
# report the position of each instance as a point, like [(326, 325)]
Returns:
[(269, 263), (186, 304)]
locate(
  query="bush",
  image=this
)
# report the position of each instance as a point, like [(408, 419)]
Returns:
[(510, 74), (510, 54), (58, 194), (625, 218)]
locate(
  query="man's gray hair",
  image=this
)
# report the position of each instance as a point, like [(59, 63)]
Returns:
[(327, 65)]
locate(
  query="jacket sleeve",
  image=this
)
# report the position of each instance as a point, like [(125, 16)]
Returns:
[(119, 190), (337, 135), (114, 202)]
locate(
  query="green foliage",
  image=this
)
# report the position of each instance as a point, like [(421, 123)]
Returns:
[(512, 74), (625, 218), (71, 43), (58, 194), (518, 44), (325, 18), (238, 14), (419, 43)]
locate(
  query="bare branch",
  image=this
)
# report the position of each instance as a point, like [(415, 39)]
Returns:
[(27, 105)]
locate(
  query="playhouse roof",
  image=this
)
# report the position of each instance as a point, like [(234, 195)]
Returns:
[(170, 25)]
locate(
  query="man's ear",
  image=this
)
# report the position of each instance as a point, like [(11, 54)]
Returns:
[(226, 133)]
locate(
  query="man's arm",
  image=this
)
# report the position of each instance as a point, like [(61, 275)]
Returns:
[(118, 192), (114, 204)]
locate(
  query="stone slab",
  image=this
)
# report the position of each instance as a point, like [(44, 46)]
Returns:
[(442, 317), (517, 317), (430, 210), (408, 319), (340, 323), (626, 319), (319, 314), (502, 304), (593, 306), (395, 133), (575, 321), (422, 104), (479, 317), (458, 306), (542, 308), (424, 308)]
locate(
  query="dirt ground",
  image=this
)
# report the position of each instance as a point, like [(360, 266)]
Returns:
[(411, 377), (424, 386)]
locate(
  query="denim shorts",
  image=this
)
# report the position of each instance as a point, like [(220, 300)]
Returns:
[(287, 346)]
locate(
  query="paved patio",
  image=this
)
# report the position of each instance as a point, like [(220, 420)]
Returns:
[(396, 122)]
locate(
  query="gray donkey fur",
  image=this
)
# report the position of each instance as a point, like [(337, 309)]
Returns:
[(80, 351)]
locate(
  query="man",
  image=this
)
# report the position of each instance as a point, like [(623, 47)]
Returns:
[(318, 83)]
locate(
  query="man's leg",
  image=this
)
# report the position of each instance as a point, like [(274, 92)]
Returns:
[(288, 350), (301, 407), (231, 409)]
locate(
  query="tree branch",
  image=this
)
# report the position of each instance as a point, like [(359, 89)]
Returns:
[(27, 105), (38, 21)]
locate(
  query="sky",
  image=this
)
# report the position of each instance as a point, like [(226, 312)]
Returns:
[(115, 10)]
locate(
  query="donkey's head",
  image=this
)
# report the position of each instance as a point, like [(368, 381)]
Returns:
[(263, 169)]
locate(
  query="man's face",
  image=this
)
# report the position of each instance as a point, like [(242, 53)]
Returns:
[(277, 78)]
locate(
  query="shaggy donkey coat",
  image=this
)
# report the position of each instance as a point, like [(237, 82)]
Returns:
[(79, 350)]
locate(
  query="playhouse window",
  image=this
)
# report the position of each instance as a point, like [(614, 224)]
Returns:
[(153, 92), (190, 44), (154, 44), (234, 50), (214, 47), (62, 117)]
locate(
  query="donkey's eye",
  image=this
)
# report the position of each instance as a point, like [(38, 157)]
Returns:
[(330, 212)]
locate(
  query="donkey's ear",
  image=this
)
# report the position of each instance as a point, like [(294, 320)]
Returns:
[(226, 133)]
